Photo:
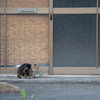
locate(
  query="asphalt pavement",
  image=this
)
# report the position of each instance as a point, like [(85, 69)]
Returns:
[(55, 87), (65, 91)]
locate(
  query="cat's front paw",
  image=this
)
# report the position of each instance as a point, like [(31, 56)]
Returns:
[(31, 77)]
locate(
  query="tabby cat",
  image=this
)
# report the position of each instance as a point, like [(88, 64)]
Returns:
[(27, 70)]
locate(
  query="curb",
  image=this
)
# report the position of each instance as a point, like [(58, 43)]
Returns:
[(8, 88), (55, 76), (52, 80)]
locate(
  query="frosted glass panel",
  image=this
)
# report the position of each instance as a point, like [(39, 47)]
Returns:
[(74, 40), (74, 3)]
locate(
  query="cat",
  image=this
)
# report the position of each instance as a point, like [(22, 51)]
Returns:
[(27, 70)]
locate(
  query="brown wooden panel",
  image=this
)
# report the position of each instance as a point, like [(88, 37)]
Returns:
[(56, 10), (11, 10), (43, 11), (76, 71), (50, 38), (74, 10), (15, 10), (10, 70)]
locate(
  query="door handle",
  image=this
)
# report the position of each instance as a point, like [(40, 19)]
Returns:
[(51, 13)]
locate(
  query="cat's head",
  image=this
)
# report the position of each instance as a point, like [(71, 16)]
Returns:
[(35, 67)]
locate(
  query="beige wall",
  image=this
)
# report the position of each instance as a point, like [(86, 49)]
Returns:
[(2, 40), (27, 35), (1, 3), (27, 3)]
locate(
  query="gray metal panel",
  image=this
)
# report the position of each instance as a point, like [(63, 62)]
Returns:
[(74, 40)]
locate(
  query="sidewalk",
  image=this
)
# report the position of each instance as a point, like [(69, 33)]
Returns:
[(53, 79)]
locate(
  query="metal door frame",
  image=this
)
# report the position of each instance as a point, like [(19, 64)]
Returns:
[(71, 70)]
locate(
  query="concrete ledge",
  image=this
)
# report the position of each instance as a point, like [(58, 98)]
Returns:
[(54, 76), (51, 79), (8, 88)]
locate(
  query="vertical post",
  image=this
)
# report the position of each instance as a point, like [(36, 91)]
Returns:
[(50, 36), (97, 36), (5, 28)]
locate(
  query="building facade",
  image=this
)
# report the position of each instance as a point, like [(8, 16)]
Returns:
[(62, 35)]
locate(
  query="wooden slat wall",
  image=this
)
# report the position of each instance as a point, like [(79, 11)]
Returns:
[(55, 10)]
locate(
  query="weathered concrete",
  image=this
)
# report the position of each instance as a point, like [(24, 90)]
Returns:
[(45, 78)]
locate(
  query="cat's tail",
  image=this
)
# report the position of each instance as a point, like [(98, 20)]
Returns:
[(18, 76)]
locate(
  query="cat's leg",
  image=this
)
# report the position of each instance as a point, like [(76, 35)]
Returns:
[(24, 73), (18, 76), (25, 76), (34, 74), (31, 75)]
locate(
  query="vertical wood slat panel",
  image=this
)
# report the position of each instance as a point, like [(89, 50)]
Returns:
[(50, 39)]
